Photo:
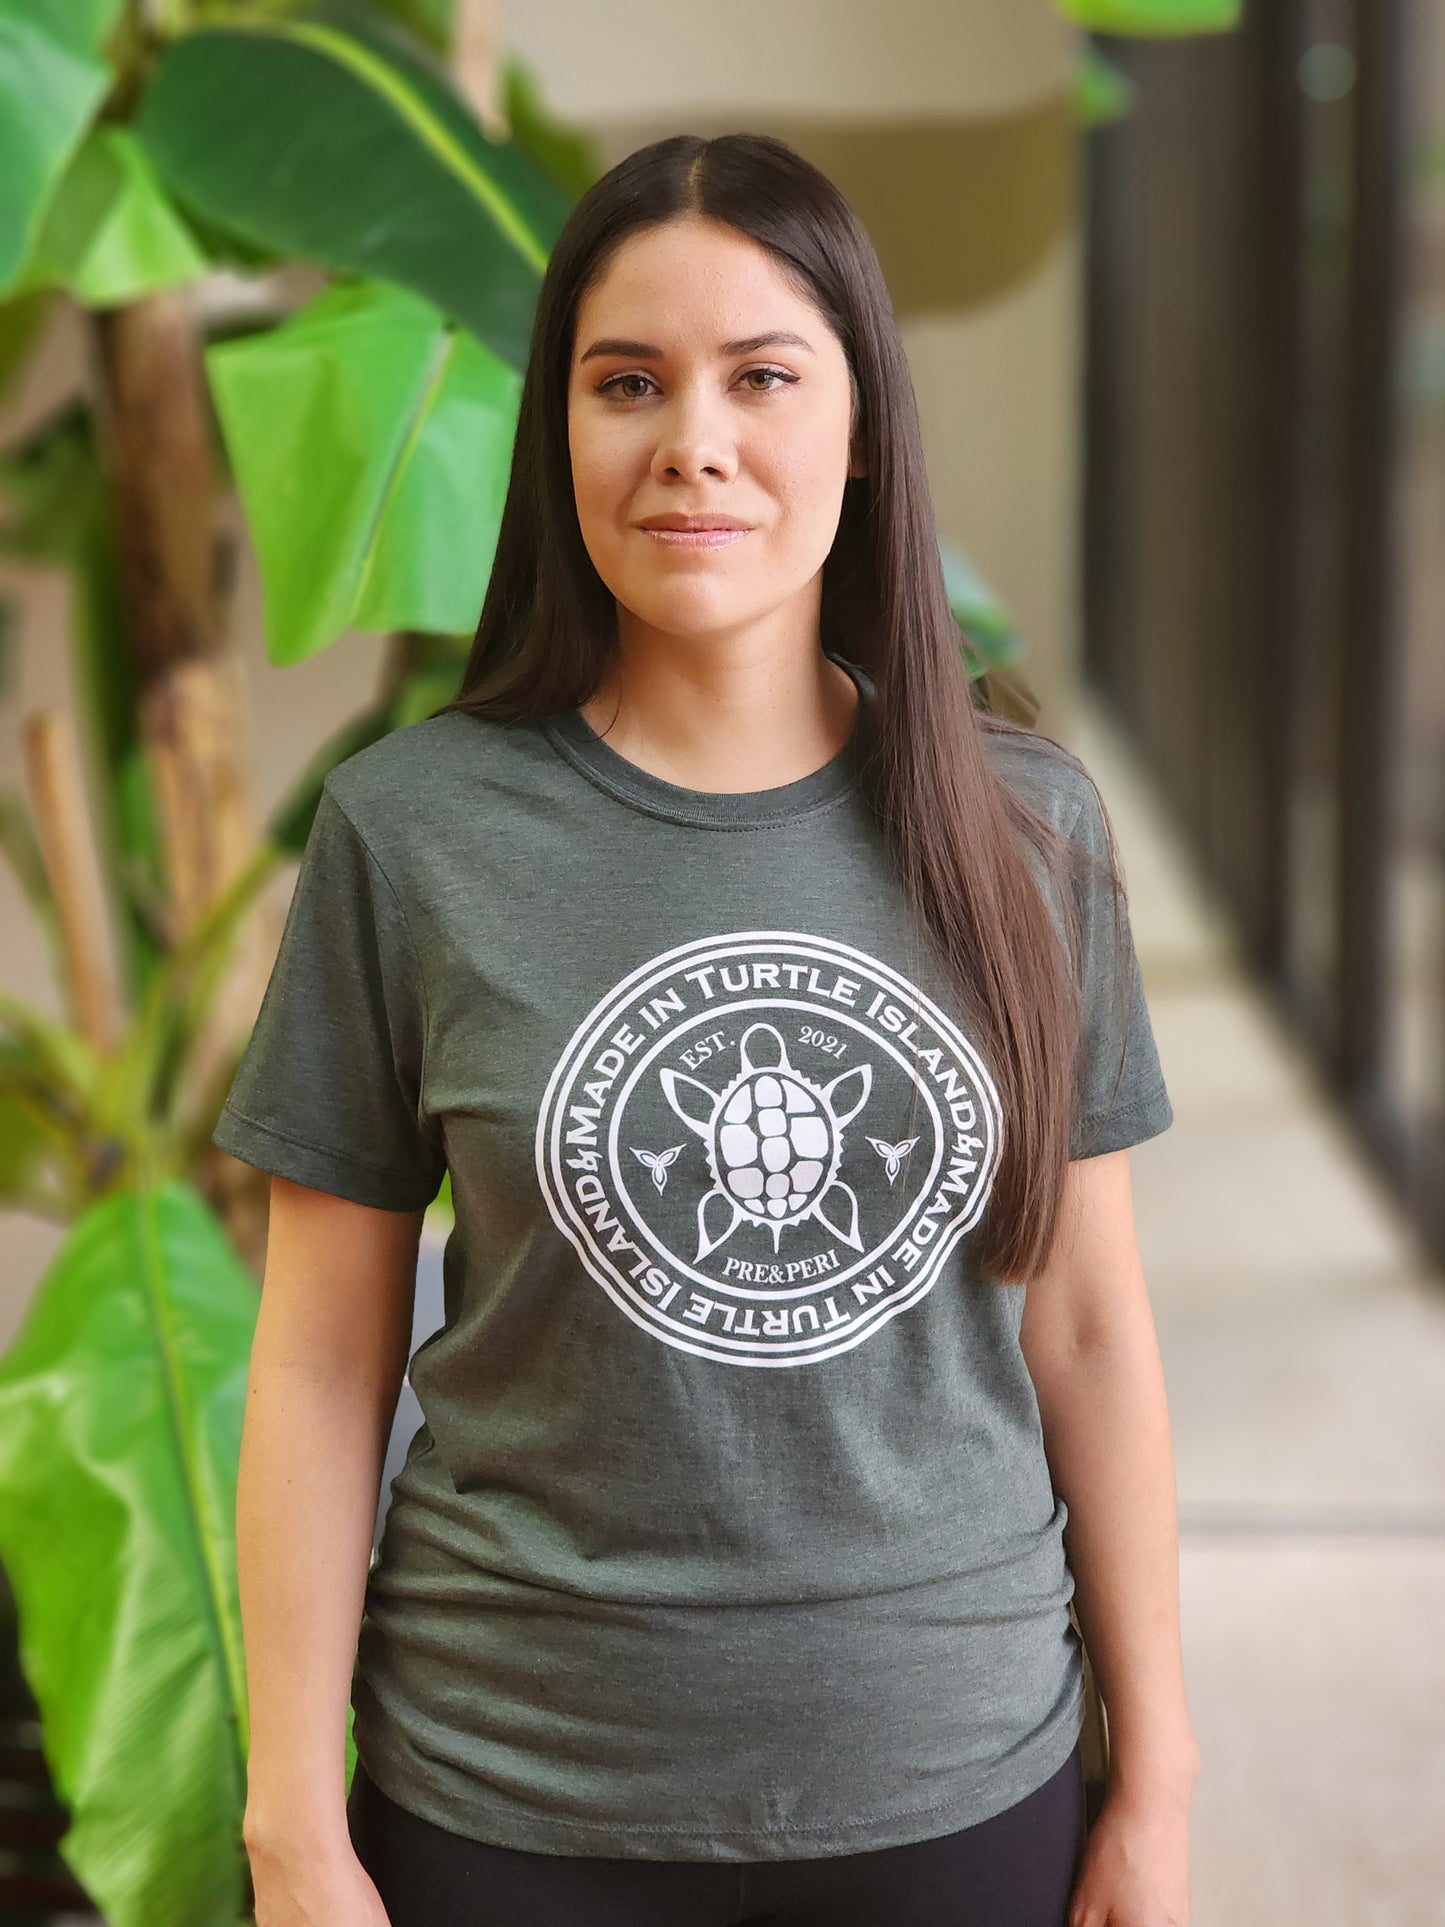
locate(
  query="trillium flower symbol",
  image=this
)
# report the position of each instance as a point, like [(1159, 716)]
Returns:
[(658, 1162), (893, 1153)]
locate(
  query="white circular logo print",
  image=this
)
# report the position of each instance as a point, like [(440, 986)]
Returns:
[(764, 1145)]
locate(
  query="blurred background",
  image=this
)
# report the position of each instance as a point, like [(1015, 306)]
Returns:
[(1171, 279)]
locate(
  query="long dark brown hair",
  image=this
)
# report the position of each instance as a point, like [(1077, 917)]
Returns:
[(548, 635)]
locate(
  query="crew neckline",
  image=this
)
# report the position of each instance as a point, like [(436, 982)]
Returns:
[(574, 738)]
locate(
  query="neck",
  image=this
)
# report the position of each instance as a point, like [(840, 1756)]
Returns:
[(723, 718)]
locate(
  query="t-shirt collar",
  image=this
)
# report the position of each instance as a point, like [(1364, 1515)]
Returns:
[(574, 738)]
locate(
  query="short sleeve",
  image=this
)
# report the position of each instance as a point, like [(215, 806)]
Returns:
[(1119, 1091), (328, 1092)]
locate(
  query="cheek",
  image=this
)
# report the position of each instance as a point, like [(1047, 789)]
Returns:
[(590, 466), (605, 479), (805, 479)]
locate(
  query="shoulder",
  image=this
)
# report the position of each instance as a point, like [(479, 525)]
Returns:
[(419, 776), (1049, 779), (420, 794)]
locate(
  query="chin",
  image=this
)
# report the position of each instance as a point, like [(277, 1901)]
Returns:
[(687, 608)]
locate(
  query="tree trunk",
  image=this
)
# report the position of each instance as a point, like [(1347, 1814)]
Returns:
[(156, 439)]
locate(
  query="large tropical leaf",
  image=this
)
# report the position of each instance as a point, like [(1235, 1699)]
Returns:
[(48, 1074), (22, 323), (1102, 93), (425, 691), (45, 485), (1154, 16), (76, 1123), (120, 1419), (371, 442), (30, 1155), (72, 1070), (145, 1089), (990, 634), (430, 20), (338, 138), (53, 76), (111, 233), (571, 156)]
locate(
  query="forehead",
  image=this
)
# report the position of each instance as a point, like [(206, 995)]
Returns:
[(693, 281)]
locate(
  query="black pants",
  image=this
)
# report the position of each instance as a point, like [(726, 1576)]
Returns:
[(1016, 1869)]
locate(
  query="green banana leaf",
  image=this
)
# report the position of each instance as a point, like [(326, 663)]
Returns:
[(425, 692), (27, 1134), (371, 443), (71, 1066), (430, 20), (45, 1088), (337, 138), (1155, 17), (53, 77), (76, 1123), (990, 638), (121, 1401), (571, 157), (22, 323), (1102, 93), (44, 481), (144, 1093), (35, 1134), (112, 233)]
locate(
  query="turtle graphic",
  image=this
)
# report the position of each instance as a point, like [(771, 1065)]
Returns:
[(774, 1143)]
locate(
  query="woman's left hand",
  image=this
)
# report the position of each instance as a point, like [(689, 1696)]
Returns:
[(1135, 1871)]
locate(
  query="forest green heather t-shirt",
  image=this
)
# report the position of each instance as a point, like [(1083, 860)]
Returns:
[(728, 1533)]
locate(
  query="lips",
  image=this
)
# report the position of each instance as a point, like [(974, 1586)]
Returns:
[(691, 524), (703, 536)]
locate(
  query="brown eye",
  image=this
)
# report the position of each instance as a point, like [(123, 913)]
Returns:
[(610, 385)]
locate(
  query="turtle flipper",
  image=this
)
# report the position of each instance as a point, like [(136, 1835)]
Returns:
[(713, 1204), (846, 1108), (846, 1205), (694, 1103)]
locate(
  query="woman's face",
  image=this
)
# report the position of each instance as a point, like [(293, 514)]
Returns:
[(677, 405)]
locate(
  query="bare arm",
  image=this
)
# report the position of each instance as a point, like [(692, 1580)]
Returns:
[(330, 1351), (1089, 1343)]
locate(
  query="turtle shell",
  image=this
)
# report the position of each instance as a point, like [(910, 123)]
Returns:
[(776, 1143)]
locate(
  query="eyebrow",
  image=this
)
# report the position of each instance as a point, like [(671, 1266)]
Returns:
[(646, 351)]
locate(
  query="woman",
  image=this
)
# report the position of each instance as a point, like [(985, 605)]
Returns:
[(774, 1011)]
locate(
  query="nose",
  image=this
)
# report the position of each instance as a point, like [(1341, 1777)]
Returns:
[(692, 439)]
